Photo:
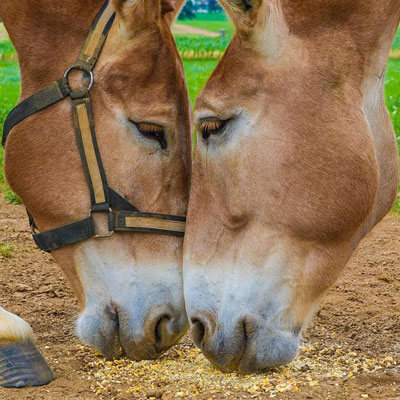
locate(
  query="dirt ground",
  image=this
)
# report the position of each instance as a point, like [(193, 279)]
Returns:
[(360, 318), (179, 29)]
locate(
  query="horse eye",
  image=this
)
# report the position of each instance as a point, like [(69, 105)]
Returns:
[(212, 126), (152, 131)]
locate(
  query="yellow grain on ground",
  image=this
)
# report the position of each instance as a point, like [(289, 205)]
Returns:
[(183, 372), (3, 32)]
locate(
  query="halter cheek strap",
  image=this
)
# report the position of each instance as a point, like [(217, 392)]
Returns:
[(122, 215)]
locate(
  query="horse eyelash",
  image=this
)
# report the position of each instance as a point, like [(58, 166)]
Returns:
[(207, 126), (150, 128)]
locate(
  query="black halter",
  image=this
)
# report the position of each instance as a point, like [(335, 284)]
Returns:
[(122, 215)]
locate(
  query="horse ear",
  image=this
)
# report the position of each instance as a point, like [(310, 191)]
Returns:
[(137, 14), (171, 8), (242, 12), (167, 6)]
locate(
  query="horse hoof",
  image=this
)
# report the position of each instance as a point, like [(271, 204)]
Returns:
[(22, 365)]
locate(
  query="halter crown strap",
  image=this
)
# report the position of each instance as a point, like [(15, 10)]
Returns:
[(38, 102), (122, 215)]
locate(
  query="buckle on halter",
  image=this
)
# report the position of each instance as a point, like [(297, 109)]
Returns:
[(110, 231), (77, 94), (106, 235)]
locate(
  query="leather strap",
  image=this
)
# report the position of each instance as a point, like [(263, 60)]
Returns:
[(97, 37), (119, 202), (39, 101), (121, 221), (90, 155), (65, 235), (77, 231)]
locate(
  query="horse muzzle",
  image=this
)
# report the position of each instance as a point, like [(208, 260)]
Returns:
[(245, 344), (117, 330)]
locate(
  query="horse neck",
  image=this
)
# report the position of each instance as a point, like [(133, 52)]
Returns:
[(317, 15), (356, 34), (47, 36)]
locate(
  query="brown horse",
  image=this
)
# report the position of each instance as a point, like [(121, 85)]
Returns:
[(129, 286), (296, 161)]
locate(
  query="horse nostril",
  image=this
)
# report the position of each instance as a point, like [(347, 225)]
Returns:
[(203, 328), (245, 332), (160, 329), (198, 331)]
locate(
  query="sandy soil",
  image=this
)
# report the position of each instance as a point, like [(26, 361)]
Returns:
[(361, 315)]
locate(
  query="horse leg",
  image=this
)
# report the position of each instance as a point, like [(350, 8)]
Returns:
[(21, 363)]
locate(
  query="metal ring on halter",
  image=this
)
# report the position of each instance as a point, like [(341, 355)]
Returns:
[(77, 94)]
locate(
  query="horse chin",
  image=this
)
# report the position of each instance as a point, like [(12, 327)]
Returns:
[(272, 353), (268, 352)]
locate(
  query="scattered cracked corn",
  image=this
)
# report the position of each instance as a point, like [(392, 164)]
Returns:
[(184, 372)]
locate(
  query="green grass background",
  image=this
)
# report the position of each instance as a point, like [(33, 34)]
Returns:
[(197, 74), (197, 70), (9, 94)]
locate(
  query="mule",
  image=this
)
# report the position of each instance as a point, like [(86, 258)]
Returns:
[(129, 286), (296, 162)]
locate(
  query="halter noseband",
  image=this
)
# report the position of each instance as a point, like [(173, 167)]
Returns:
[(122, 215)]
